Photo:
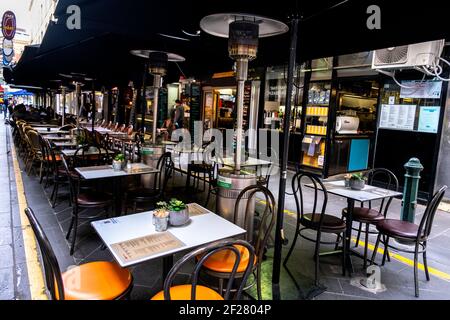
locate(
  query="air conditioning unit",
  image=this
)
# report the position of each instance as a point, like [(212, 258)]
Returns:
[(408, 57)]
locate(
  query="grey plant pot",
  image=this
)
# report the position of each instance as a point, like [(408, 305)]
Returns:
[(117, 165), (357, 184), (179, 218)]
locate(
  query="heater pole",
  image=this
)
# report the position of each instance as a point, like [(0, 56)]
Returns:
[(78, 96), (156, 85), (63, 89), (283, 174), (144, 97), (241, 76)]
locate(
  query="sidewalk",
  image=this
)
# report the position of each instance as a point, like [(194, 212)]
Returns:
[(13, 267), (397, 275)]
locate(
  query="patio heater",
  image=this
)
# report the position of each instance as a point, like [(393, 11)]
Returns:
[(157, 63), (243, 32), (157, 66)]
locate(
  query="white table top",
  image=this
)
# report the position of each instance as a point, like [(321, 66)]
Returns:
[(43, 125), (71, 152), (202, 229), (52, 132), (62, 138), (369, 193), (65, 144), (251, 162), (101, 172)]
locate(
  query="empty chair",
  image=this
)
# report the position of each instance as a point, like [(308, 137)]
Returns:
[(100, 280), (412, 234), (221, 264), (194, 291), (315, 219), (157, 193), (85, 199)]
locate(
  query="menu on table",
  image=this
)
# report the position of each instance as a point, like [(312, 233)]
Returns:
[(196, 209), (144, 247)]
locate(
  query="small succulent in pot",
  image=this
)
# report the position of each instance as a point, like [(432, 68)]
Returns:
[(118, 162), (357, 181), (179, 213)]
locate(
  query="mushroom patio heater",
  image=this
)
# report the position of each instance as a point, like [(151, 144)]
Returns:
[(157, 66), (243, 32), (157, 62)]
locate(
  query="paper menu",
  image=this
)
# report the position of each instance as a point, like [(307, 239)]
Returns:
[(401, 117), (145, 247), (196, 209)]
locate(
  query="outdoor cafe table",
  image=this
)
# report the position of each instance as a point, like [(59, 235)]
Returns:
[(43, 125), (202, 229), (56, 138), (90, 152), (65, 144), (107, 172), (369, 193), (250, 162)]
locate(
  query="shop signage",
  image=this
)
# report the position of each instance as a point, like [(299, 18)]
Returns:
[(398, 117), (429, 119), (421, 90), (228, 74), (9, 25), (8, 47)]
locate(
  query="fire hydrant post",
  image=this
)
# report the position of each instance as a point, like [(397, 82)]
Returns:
[(412, 177)]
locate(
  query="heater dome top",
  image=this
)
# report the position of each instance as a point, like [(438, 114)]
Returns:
[(171, 57), (218, 24)]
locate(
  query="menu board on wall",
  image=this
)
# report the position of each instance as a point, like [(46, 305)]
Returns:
[(398, 117), (429, 119)]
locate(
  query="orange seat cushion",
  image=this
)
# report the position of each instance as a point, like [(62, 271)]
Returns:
[(96, 281), (183, 292), (223, 261), (57, 158)]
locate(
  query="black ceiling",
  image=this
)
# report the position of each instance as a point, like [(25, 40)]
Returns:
[(111, 28)]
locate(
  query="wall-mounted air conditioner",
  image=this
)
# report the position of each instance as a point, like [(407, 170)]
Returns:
[(408, 57)]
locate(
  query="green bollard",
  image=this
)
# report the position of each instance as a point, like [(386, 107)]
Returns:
[(412, 177)]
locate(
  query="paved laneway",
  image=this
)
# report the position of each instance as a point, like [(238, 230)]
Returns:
[(13, 266), (396, 275)]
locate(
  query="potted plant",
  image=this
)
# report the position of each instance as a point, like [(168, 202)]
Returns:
[(357, 181), (118, 162), (178, 212), (161, 217), (80, 140)]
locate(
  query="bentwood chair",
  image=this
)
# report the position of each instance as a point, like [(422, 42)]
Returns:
[(100, 280), (194, 291), (84, 199), (315, 219), (369, 215), (222, 264), (157, 193), (411, 234)]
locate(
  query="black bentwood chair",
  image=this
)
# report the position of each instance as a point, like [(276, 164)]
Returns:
[(85, 199), (220, 265), (158, 192), (316, 219), (100, 280), (194, 291), (412, 234)]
